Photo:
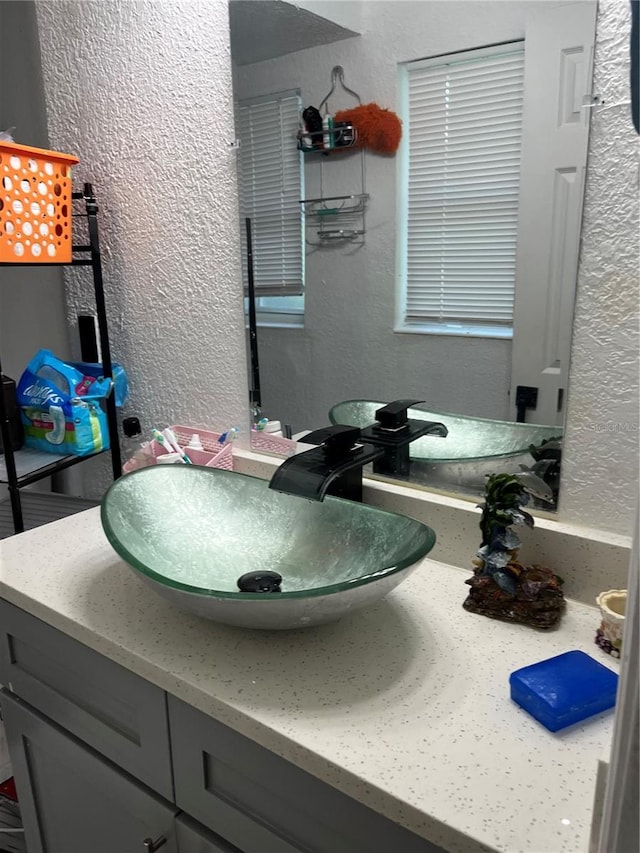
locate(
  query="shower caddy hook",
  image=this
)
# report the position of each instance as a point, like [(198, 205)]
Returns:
[(338, 138), (337, 76)]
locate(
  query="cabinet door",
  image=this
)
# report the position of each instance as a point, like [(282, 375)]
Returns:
[(192, 837), (263, 804), (72, 800), (117, 713)]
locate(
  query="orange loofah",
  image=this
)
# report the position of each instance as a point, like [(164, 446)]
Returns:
[(377, 128)]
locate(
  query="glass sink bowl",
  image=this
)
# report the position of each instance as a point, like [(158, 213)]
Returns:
[(190, 533), (474, 447)]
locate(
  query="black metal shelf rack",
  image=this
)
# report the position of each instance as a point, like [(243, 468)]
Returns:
[(33, 467)]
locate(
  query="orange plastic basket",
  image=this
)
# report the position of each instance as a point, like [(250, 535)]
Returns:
[(35, 204)]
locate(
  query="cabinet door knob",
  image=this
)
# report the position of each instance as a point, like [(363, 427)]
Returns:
[(151, 846)]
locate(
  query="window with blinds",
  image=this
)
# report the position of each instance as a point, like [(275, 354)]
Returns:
[(270, 189), (461, 173)]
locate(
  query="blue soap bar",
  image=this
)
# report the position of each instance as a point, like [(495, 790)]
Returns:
[(564, 689)]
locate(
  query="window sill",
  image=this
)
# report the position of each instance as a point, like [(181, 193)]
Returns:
[(455, 330), (278, 321)]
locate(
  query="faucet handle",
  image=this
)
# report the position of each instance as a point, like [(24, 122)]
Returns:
[(394, 415), (336, 440)]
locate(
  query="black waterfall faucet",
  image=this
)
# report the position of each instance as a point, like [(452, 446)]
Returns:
[(393, 431), (334, 467)]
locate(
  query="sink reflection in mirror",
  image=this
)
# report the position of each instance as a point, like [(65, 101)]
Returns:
[(197, 535), (473, 449)]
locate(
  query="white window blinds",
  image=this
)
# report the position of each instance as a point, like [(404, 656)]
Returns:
[(464, 117), (270, 187)]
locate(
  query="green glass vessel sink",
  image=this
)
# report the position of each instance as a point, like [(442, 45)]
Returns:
[(191, 532)]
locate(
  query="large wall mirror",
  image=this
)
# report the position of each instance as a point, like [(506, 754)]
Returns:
[(353, 317)]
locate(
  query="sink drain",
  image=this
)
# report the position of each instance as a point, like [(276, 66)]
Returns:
[(260, 582)]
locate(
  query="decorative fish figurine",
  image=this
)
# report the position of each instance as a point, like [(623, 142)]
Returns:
[(535, 485)]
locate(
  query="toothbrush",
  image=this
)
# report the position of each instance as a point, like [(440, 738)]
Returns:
[(232, 434), (173, 441), (229, 435), (262, 423), (159, 437), (170, 435)]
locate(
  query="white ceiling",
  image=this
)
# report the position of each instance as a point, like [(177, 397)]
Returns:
[(265, 29)]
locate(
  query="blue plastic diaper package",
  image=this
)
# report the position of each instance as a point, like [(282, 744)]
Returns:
[(62, 405)]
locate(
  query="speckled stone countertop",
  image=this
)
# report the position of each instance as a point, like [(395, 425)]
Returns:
[(404, 706)]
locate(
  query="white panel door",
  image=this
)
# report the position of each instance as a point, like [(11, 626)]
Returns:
[(559, 44)]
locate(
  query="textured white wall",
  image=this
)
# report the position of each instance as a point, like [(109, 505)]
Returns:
[(141, 91), (600, 466)]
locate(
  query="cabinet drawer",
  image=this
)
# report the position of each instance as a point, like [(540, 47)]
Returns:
[(117, 713), (263, 804)]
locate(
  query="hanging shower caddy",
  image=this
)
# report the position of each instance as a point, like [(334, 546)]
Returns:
[(334, 218)]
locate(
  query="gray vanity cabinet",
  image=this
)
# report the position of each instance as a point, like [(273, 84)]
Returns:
[(104, 760), (75, 801)]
